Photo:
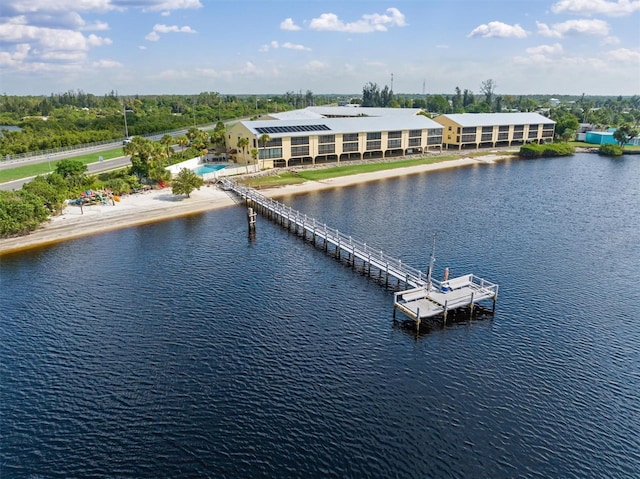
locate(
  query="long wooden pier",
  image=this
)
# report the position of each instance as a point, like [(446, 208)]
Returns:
[(425, 298)]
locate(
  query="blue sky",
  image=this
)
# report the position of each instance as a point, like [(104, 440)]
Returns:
[(275, 46)]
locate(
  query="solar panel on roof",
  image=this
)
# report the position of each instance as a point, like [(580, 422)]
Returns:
[(291, 128)]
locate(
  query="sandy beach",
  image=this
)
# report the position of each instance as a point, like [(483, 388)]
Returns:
[(159, 205)]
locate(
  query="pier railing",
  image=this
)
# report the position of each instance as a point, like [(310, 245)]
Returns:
[(358, 249)]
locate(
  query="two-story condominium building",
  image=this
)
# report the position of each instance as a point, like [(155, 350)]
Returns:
[(483, 130), (333, 134)]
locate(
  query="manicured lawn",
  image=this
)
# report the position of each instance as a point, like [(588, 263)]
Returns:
[(28, 171), (301, 176)]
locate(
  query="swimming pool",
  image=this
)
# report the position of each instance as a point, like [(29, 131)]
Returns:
[(205, 169)]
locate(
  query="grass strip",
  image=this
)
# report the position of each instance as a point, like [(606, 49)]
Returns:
[(27, 171), (295, 177)]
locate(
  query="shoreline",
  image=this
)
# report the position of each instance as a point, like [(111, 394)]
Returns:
[(161, 205)]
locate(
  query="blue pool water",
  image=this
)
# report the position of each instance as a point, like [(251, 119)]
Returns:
[(205, 169)]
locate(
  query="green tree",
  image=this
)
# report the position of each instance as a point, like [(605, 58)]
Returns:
[(185, 182), (264, 141), (70, 167), (624, 134), (488, 88), (438, 104), (456, 102), (20, 212), (243, 143), (566, 127), (183, 141), (53, 196)]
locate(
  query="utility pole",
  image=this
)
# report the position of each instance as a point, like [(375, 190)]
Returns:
[(124, 114)]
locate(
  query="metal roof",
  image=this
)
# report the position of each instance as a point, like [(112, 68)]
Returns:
[(490, 119), (329, 126)]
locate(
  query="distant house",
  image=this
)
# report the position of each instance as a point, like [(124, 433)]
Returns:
[(490, 130), (606, 138)]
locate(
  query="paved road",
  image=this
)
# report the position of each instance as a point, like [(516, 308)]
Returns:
[(91, 168)]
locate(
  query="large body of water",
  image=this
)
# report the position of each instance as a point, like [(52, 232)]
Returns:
[(184, 349)]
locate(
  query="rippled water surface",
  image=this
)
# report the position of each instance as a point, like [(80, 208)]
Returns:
[(185, 349)]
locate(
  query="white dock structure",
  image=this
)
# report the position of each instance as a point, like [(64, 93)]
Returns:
[(425, 298)]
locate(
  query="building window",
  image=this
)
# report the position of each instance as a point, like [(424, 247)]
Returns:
[(394, 134), (350, 137), (518, 135), (468, 130), (394, 143), (346, 147), (300, 140), (415, 141), (533, 134), (326, 149), (327, 139), (374, 135), (415, 133), (300, 150), (486, 137), (374, 145), (434, 132), (503, 136), (270, 153), (487, 129), (518, 128), (274, 142), (503, 128), (469, 138), (434, 140)]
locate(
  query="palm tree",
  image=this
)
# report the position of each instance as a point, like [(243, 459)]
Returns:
[(166, 141), (183, 141), (242, 145), (264, 140), (254, 156)]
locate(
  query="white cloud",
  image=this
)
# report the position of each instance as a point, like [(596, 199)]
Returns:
[(49, 39), (288, 45), (164, 5), (611, 41), (595, 7), (154, 35), (368, 23), (106, 64), (626, 55), (288, 24), (314, 67), (498, 30), (574, 27), (172, 29), (554, 49), (20, 54), (15, 7), (293, 46)]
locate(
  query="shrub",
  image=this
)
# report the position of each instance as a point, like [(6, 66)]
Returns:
[(533, 150), (610, 150)]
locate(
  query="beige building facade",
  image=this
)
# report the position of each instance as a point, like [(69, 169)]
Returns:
[(491, 130), (318, 135)]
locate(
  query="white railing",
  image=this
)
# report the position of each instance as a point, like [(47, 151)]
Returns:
[(373, 255)]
